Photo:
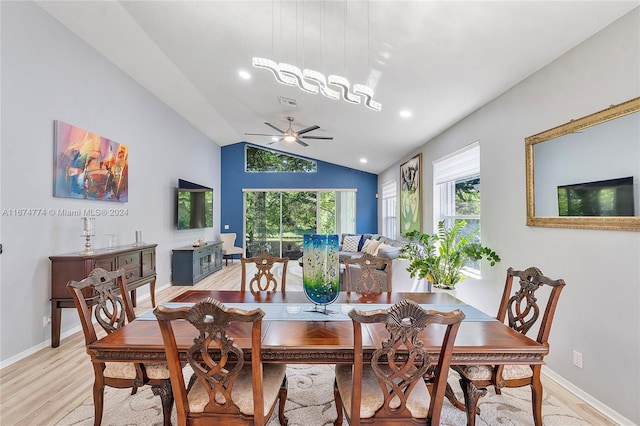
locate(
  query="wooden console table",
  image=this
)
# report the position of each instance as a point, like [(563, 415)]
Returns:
[(139, 263)]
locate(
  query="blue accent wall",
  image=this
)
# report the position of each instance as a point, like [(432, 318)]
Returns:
[(234, 179)]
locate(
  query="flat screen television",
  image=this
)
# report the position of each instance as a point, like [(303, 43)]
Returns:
[(195, 205), (613, 197)]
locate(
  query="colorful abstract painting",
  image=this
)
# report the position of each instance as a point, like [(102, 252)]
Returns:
[(410, 196), (89, 166), (321, 268)]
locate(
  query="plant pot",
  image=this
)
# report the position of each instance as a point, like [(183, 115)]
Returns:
[(444, 286)]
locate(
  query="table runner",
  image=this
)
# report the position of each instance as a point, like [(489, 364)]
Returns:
[(339, 311)]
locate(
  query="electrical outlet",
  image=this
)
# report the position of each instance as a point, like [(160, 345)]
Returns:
[(46, 320), (226, 227), (577, 359)]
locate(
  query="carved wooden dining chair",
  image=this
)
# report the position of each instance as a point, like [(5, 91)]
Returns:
[(104, 294), (521, 311), (368, 275), (226, 389), (391, 389), (264, 279)]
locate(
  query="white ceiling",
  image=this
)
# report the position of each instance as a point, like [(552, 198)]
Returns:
[(440, 59)]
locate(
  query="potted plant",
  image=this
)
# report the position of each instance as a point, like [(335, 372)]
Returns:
[(440, 257)]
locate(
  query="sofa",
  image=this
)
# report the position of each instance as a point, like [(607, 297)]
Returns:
[(355, 245)]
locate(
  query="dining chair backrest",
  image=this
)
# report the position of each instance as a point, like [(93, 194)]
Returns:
[(100, 296), (225, 387), (522, 310), (398, 366), (103, 295), (368, 274), (264, 278)]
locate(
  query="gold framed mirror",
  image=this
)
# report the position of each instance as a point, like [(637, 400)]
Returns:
[(586, 173)]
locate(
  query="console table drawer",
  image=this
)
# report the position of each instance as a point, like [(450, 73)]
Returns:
[(129, 260), (132, 274)]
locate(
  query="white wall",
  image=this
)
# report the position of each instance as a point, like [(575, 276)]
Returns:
[(49, 74), (598, 311)]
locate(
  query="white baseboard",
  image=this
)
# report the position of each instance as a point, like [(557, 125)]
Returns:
[(593, 402), (36, 348), (63, 335)]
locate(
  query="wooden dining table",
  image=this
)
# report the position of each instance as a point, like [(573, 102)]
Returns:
[(322, 339)]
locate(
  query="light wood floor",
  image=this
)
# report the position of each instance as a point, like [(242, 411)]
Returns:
[(44, 387)]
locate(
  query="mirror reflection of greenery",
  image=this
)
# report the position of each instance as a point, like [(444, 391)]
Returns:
[(186, 200)]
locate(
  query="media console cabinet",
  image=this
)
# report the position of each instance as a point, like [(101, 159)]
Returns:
[(191, 264), (139, 263)]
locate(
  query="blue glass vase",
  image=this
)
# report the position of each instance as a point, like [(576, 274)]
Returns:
[(321, 267)]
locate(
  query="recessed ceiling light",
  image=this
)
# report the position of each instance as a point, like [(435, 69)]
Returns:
[(363, 160), (405, 113), (244, 74), (274, 138)]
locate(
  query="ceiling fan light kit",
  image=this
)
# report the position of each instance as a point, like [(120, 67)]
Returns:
[(312, 81), (290, 135)]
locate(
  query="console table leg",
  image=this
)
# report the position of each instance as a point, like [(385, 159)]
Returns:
[(133, 298), (152, 289), (56, 316)]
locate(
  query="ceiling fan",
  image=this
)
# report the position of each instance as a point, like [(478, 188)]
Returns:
[(289, 135)]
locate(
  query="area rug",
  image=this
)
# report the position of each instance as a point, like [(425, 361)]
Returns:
[(310, 403)]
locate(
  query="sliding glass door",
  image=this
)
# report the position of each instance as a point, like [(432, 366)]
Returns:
[(276, 220)]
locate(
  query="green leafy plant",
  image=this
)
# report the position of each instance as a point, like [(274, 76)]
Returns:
[(441, 257)]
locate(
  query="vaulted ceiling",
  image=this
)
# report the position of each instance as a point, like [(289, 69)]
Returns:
[(440, 60)]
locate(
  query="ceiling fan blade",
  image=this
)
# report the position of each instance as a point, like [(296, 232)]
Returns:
[(308, 129), (301, 143), (273, 127), (328, 138), (260, 134)]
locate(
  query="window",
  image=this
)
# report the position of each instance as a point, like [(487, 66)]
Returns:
[(266, 160), (389, 200), (456, 192), (276, 220)]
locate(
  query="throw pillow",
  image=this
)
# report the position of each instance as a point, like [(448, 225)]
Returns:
[(365, 237), (385, 250), (372, 248), (366, 245), (351, 243)]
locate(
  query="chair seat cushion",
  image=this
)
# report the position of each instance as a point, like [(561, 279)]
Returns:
[(127, 370), (484, 372), (157, 371), (372, 396), (120, 370), (232, 250), (242, 392)]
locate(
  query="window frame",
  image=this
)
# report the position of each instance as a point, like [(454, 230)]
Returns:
[(459, 166), (390, 209)]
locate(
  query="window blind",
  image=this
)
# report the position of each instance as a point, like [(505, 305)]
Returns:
[(389, 190), (460, 164)]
